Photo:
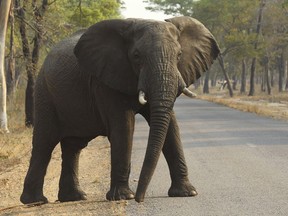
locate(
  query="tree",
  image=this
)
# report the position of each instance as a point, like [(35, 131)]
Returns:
[(243, 77), (10, 71), (267, 76), (258, 32), (4, 14), (206, 83), (221, 62), (38, 11), (89, 12), (275, 33), (183, 7), (31, 58)]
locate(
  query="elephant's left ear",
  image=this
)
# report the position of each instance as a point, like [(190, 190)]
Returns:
[(199, 48), (102, 54)]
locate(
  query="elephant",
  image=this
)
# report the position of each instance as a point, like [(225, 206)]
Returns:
[(95, 82)]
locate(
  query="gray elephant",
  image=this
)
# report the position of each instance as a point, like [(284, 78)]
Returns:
[(93, 83)]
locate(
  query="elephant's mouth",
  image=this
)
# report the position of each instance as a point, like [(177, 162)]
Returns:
[(186, 91)]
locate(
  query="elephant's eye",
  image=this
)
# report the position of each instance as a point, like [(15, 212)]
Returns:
[(179, 55), (136, 55)]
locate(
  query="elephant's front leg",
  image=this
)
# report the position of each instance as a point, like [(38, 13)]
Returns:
[(121, 128), (173, 152), (69, 188)]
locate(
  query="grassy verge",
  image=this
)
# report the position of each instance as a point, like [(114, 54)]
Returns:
[(275, 106), (17, 143)]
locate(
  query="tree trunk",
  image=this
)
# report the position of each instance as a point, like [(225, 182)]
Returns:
[(31, 59), (221, 62), (258, 31), (280, 70), (272, 72), (22, 27), (267, 75), (263, 75), (11, 60), (206, 83), (214, 79), (31, 74), (27, 55), (234, 84), (243, 77), (263, 82), (252, 77), (282, 65), (284, 71), (4, 14)]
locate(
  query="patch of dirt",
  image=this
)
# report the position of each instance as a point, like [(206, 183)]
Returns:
[(94, 175)]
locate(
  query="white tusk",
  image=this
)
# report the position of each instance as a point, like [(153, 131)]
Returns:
[(142, 98), (188, 93)]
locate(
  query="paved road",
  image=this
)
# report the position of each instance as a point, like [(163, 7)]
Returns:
[(237, 161)]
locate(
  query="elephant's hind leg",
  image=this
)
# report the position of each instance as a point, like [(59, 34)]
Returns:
[(69, 187), (173, 152), (174, 155)]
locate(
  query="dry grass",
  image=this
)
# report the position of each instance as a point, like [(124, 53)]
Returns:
[(18, 142), (275, 105)]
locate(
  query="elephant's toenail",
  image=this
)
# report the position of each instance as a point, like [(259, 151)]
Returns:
[(194, 193)]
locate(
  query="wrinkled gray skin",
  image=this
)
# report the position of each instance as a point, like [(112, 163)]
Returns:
[(88, 86)]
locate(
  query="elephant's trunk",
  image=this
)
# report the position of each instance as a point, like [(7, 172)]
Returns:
[(158, 129), (161, 96)]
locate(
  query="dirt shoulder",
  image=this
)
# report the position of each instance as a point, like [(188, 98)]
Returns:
[(95, 178), (274, 106)]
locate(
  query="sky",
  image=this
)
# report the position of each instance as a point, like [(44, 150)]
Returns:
[(136, 9)]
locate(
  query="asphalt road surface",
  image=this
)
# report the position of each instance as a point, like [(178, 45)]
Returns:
[(237, 161)]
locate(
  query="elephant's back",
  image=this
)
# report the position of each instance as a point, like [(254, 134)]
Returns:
[(61, 65), (61, 72)]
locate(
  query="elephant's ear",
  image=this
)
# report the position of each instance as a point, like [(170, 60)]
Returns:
[(102, 54), (199, 48)]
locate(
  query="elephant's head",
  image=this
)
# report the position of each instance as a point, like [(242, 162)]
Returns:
[(154, 59)]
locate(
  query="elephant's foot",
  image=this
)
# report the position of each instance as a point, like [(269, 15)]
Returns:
[(68, 195), (182, 189), (29, 198), (120, 193)]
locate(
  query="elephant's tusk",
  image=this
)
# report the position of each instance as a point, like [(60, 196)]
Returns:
[(142, 99), (188, 93)]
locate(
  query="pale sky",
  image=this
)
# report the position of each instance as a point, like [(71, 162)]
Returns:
[(136, 9)]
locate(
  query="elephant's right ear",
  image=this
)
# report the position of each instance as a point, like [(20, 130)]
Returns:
[(102, 53)]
